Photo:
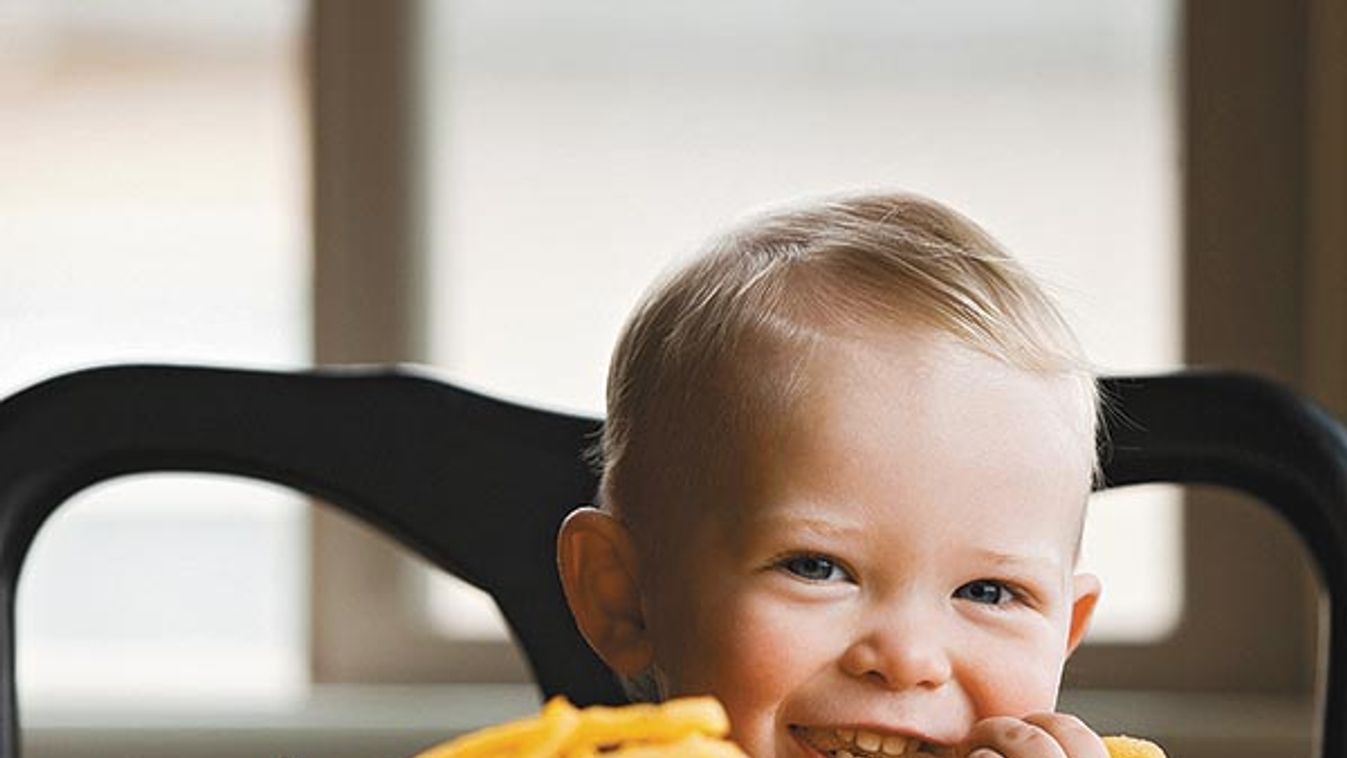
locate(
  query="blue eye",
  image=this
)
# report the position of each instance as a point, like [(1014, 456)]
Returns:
[(815, 568), (985, 592)]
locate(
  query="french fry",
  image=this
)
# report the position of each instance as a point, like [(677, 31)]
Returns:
[(691, 746), (1122, 746), (501, 739), (643, 722)]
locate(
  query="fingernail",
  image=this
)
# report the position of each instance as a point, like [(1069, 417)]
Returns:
[(983, 752)]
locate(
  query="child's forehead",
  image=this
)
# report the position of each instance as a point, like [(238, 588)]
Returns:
[(850, 379), (786, 398), (836, 370), (912, 408)]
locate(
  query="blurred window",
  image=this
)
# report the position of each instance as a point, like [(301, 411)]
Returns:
[(154, 210), (580, 148)]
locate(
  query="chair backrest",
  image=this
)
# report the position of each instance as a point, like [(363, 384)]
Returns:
[(479, 486)]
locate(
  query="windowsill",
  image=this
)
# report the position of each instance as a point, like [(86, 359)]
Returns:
[(392, 722), (333, 722), (382, 708)]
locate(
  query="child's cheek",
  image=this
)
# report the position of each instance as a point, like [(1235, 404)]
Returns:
[(731, 641), (758, 652), (1013, 679), (760, 640)]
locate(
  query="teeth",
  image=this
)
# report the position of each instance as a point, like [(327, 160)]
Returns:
[(868, 741), (894, 745), (861, 743)]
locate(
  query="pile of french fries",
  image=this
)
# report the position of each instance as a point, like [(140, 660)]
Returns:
[(693, 727), (683, 728)]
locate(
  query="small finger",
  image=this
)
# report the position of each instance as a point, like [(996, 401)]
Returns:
[(1077, 739), (1011, 738)]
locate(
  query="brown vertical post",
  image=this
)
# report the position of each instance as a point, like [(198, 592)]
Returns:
[(1326, 209), (1245, 263), (368, 268)]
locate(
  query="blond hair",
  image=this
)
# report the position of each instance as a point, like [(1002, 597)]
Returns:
[(715, 349)]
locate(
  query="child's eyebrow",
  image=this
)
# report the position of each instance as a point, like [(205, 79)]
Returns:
[(1017, 560), (821, 526)]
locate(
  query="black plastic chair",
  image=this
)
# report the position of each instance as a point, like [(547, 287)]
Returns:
[(387, 445)]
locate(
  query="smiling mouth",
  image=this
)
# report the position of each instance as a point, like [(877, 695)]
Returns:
[(863, 743)]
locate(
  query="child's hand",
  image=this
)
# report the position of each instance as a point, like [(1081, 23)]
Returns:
[(1042, 735)]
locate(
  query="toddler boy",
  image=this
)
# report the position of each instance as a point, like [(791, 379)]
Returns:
[(846, 459)]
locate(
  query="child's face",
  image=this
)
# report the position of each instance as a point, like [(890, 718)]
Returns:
[(899, 557)]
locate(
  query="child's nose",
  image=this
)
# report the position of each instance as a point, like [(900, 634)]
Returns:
[(899, 657)]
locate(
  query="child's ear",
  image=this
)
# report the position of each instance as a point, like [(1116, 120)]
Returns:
[(1085, 592), (599, 572)]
